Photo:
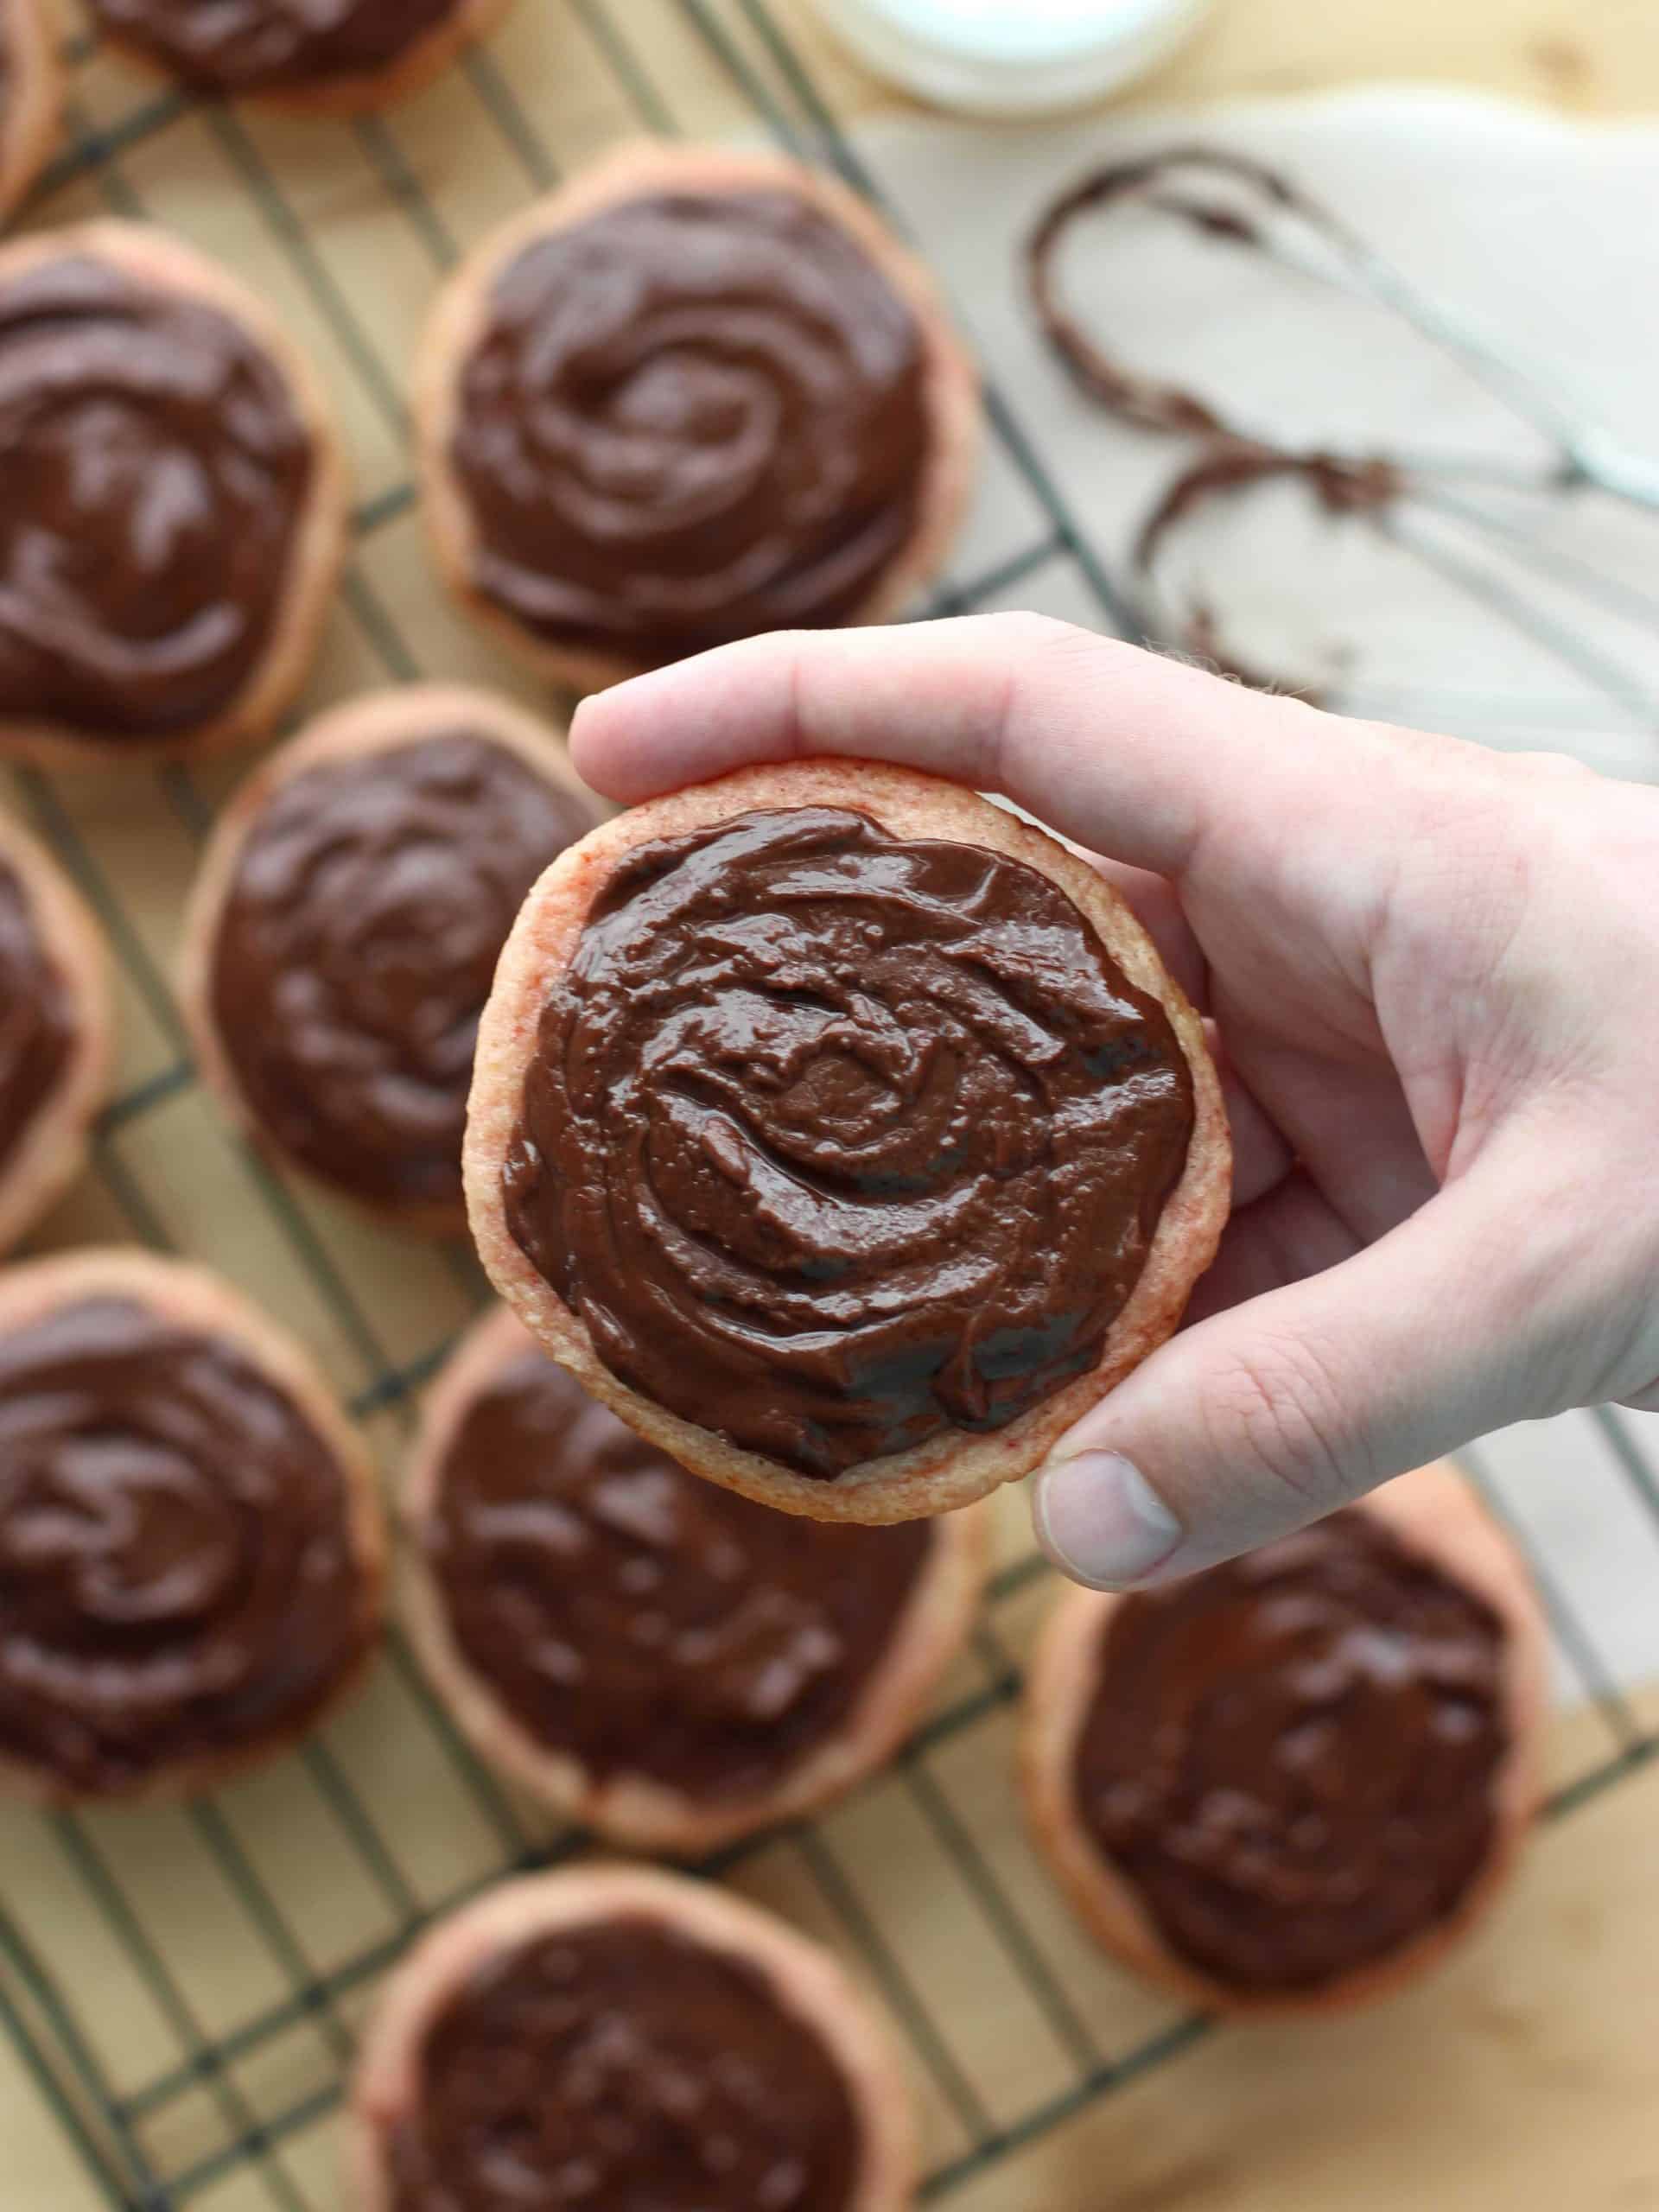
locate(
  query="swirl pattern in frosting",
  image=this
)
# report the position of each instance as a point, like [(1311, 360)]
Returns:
[(622, 2064), (1292, 1758), (251, 46), (156, 471), (356, 947), (643, 1620), (177, 1574), (687, 418), (836, 1139), (37, 1027)]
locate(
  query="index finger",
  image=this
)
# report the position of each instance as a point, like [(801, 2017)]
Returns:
[(1133, 755)]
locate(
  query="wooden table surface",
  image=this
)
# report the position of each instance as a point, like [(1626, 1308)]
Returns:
[(1527, 2079), (1587, 56)]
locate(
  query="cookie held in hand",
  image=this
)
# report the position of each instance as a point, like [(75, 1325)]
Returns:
[(844, 1133)]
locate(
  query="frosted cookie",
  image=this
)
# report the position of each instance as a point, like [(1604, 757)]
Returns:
[(31, 96), (1292, 1783), (627, 2037), (175, 508), (190, 1544), (327, 57), (844, 1133), (693, 396), (56, 1023), (346, 927), (651, 1654)]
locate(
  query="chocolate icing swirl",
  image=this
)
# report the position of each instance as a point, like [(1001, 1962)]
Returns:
[(156, 471), (622, 2064), (357, 945), (836, 1139), (252, 46), (177, 1576), (644, 1621), (37, 1026), (1292, 1758), (690, 417)]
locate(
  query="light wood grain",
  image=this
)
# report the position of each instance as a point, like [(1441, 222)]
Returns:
[(1524, 2078), (1584, 56)]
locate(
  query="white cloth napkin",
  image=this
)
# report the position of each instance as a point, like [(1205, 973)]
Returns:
[(1540, 231)]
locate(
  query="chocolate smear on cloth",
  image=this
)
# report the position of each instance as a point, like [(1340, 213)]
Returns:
[(1343, 489), (1129, 393), (1235, 200)]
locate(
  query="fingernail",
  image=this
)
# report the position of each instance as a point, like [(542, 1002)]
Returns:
[(1100, 1520)]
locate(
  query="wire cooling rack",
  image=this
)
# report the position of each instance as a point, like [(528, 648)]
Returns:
[(184, 1988)]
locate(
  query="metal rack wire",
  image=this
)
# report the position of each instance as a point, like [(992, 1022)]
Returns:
[(246, 2094)]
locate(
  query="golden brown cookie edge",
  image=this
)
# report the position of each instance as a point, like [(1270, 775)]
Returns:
[(53, 1153), (947, 1470), (375, 722)]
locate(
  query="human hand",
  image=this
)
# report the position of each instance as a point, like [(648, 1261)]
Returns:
[(1433, 974)]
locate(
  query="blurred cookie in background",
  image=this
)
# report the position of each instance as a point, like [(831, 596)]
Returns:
[(324, 57), (345, 925), (692, 395), (667, 1663), (1291, 1783), (191, 1545), (175, 506)]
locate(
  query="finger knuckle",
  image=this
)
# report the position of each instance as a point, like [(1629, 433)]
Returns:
[(1023, 631), (1554, 767), (1273, 1414)]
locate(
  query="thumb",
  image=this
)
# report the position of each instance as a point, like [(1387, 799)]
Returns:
[(1257, 1421)]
